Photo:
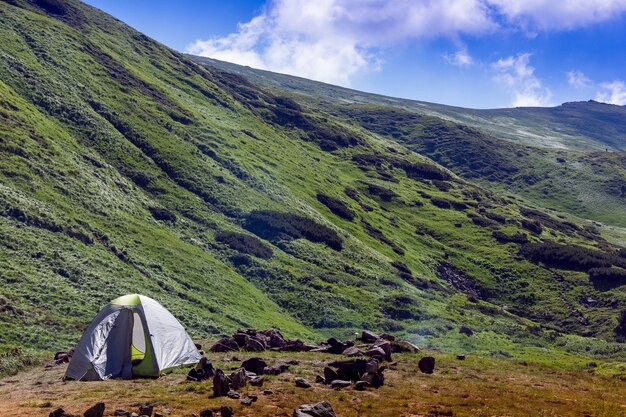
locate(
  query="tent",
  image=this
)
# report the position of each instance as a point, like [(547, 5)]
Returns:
[(133, 336)]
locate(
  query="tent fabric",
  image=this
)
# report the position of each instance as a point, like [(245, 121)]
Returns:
[(111, 345)]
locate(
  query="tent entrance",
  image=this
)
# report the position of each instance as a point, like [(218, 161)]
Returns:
[(138, 341)]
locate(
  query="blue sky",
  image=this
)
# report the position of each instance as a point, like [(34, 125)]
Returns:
[(471, 53)]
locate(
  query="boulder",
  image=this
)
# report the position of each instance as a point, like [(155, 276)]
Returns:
[(254, 345), (207, 412), (336, 346), (361, 385), (256, 365), (277, 341), (426, 364), (225, 344), (146, 410), (352, 351), (241, 338), (319, 379), (302, 383), (226, 411), (323, 409), (96, 411), (402, 346), (247, 401), (372, 366), (121, 413), (329, 375), (62, 357), (276, 369), (386, 347), (233, 394), (375, 352), (375, 379), (369, 337), (340, 383), (203, 370), (221, 384), (387, 336), (238, 379), (257, 381), (59, 412)]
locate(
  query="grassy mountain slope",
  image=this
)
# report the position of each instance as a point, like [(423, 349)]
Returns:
[(554, 157), (577, 126), (125, 166)]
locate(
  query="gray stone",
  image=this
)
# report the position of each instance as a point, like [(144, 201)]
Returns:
[(352, 351), (339, 383), (426, 364), (323, 409), (226, 411), (146, 410), (221, 384), (96, 411), (302, 383), (233, 394), (238, 379)]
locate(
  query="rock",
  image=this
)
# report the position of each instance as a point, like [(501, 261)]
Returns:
[(372, 366), (247, 401), (257, 381), (302, 383), (207, 412), (134, 415), (293, 362), (166, 411), (276, 369), (225, 344), (203, 370), (375, 352), (375, 379), (350, 370), (254, 345), (59, 412), (403, 346), (238, 379), (96, 411), (323, 409), (369, 337), (267, 392), (233, 394), (256, 365), (121, 412), (352, 351), (197, 345), (329, 375), (220, 384), (460, 357), (277, 341), (336, 346), (226, 411), (387, 336), (361, 385), (62, 356), (386, 347), (157, 414), (241, 339), (426, 364), (339, 383)]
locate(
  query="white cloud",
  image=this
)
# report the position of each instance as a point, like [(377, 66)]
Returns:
[(557, 14), (460, 58), (333, 40), (612, 93), (516, 73), (577, 79)]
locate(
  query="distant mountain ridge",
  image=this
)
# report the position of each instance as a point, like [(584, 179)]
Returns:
[(581, 126)]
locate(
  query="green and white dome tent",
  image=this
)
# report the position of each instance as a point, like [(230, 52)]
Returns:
[(133, 336)]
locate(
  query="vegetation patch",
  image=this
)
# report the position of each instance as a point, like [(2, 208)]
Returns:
[(246, 244), (385, 194), (275, 225), (379, 235), (338, 207), (570, 257), (519, 238)]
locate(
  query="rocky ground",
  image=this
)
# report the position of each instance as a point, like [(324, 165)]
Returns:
[(471, 386)]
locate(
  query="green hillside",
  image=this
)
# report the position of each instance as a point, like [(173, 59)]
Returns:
[(128, 167)]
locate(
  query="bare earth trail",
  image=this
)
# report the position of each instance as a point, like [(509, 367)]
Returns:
[(474, 387)]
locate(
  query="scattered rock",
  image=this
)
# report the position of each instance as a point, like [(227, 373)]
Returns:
[(361, 385), (426, 364), (374, 379), (254, 345), (96, 411), (352, 351), (369, 337), (460, 357), (257, 381), (166, 411), (59, 412), (233, 394), (247, 401), (225, 344), (386, 336), (267, 392), (319, 379), (329, 375), (203, 370), (256, 365), (404, 346), (323, 409), (238, 379), (207, 412), (146, 410), (226, 411), (157, 414), (302, 383), (221, 385), (121, 412), (339, 383)]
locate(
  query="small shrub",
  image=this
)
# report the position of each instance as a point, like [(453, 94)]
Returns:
[(519, 238), (385, 194), (569, 257), (532, 226), (606, 278), (162, 214), (246, 244), (338, 207), (379, 235), (441, 202)]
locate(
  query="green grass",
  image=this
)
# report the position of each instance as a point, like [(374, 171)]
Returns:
[(117, 129)]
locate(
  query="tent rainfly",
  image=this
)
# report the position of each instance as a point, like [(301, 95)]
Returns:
[(133, 336)]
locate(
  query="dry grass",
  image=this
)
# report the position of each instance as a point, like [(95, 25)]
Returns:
[(474, 387)]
